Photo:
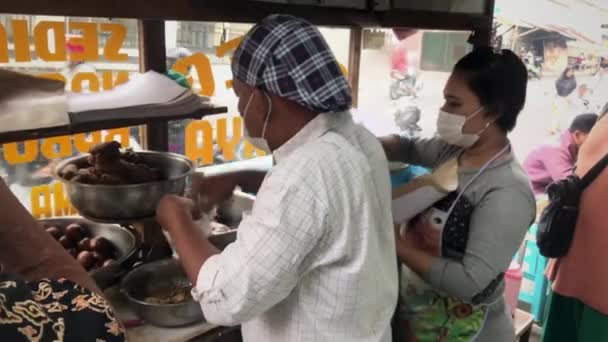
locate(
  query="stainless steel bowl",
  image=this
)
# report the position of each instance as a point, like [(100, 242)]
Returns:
[(115, 203), (124, 241), (158, 277)]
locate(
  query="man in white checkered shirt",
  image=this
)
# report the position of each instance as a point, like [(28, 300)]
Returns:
[(315, 259)]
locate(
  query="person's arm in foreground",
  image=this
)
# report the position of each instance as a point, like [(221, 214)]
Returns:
[(496, 232), (26, 249)]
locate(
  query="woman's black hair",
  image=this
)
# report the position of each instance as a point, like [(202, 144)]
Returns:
[(565, 72), (499, 79)]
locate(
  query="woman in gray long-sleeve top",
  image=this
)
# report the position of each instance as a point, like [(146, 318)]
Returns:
[(460, 247)]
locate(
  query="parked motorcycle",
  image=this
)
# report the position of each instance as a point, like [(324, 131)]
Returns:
[(404, 85), (407, 115), (534, 67)]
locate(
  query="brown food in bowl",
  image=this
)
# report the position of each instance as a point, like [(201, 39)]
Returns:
[(86, 259), (65, 242), (90, 253), (69, 171), (74, 232), (107, 165), (54, 232), (85, 244), (176, 295), (102, 246)]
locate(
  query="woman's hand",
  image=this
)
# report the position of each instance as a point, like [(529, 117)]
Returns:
[(392, 147), (416, 259), (403, 243)]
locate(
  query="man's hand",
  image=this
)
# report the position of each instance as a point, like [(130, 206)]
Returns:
[(173, 209), (176, 215), (209, 191)]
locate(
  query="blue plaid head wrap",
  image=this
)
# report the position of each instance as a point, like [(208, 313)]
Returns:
[(289, 57)]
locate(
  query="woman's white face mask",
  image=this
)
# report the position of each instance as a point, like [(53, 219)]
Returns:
[(259, 142), (449, 128)]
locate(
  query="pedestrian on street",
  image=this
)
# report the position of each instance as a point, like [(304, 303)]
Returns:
[(566, 83), (578, 305), (556, 159)]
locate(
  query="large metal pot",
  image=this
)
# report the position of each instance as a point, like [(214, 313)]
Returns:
[(132, 202), (160, 277), (124, 241)]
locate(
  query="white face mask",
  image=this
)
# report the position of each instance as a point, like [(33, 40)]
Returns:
[(259, 142), (449, 128)]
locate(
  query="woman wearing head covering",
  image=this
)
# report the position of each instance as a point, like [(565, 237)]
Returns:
[(460, 247), (315, 258)]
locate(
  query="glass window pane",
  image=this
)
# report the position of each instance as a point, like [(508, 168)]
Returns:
[(402, 75), (89, 54)]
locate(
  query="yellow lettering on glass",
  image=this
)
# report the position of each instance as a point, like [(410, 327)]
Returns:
[(119, 134), (3, 45), (226, 47), (251, 151), (200, 154), (22, 46), (110, 83), (61, 203), (63, 144), (118, 32), (41, 201), (83, 142), (13, 156), (41, 41), (228, 145), (81, 77), (88, 39), (202, 65)]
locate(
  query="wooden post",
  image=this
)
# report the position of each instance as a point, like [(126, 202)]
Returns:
[(152, 56), (354, 61), (482, 36)]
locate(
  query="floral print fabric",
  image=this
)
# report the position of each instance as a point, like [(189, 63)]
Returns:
[(54, 310)]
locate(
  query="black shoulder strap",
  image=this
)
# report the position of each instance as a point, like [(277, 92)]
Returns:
[(595, 171)]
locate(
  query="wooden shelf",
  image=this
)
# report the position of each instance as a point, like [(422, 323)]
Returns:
[(103, 124), (244, 11)]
